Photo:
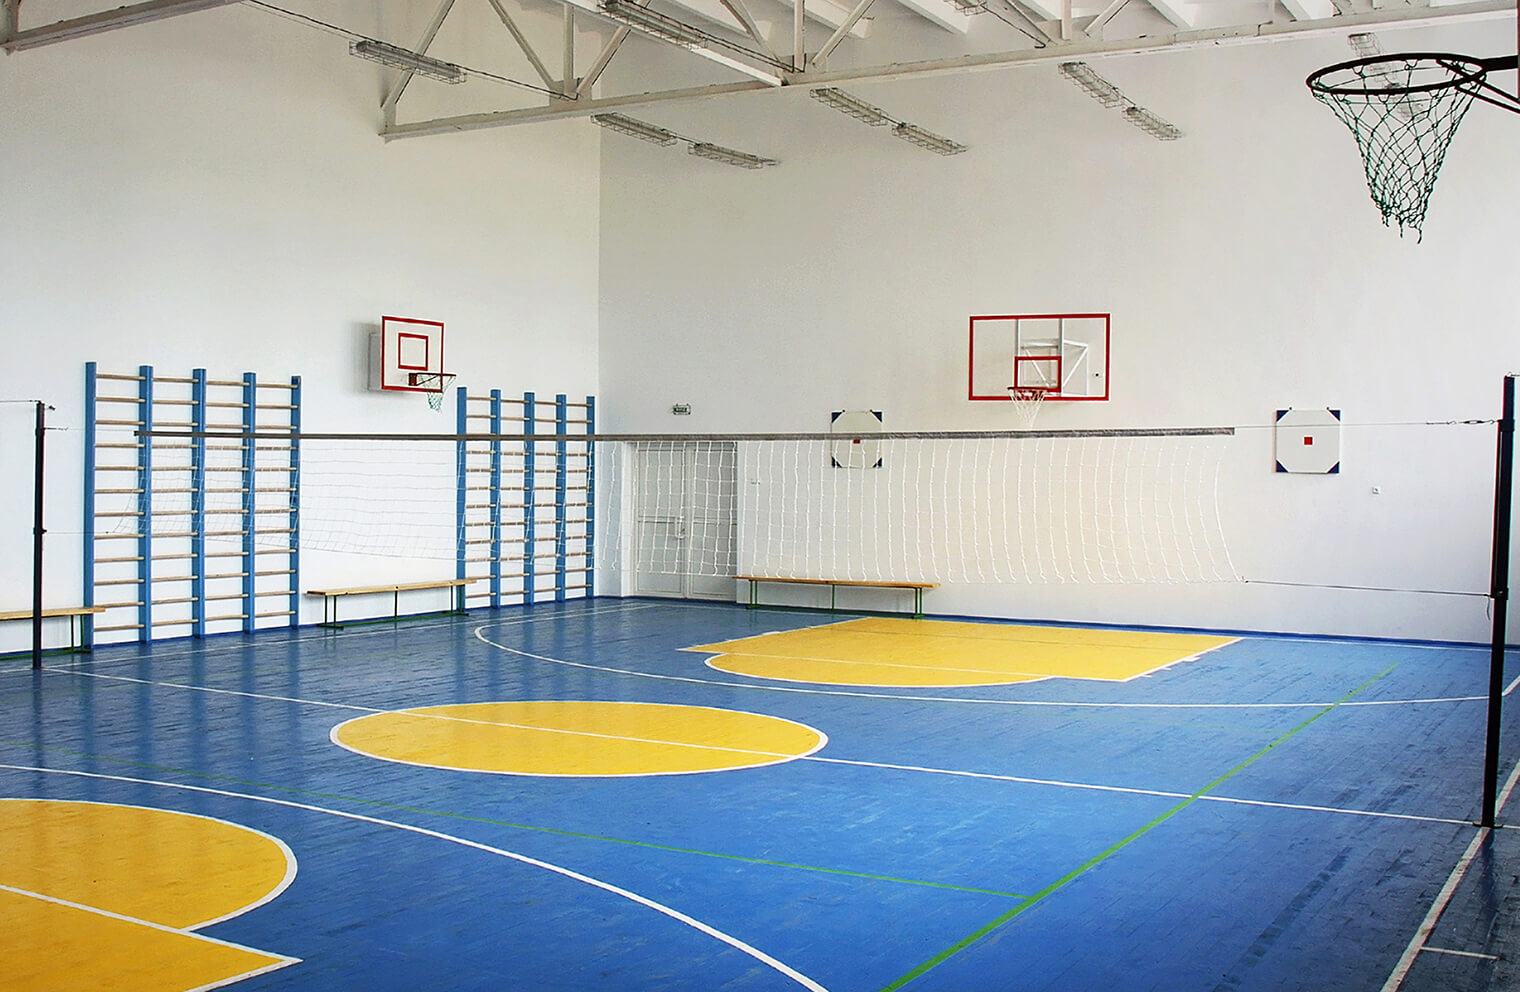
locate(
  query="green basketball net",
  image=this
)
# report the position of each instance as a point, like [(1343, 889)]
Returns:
[(1403, 110)]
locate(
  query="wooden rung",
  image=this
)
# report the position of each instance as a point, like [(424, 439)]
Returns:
[(174, 600), (116, 582), (177, 557), (230, 616), (119, 423), (274, 551), (275, 571), (238, 383), (222, 599), (277, 385), (117, 537), (173, 623), (117, 606), (227, 405), (276, 613), (277, 406), (176, 379), (226, 533), (99, 629), (118, 560), (118, 444), (118, 377), (118, 399), (173, 578), (226, 575), (224, 554)]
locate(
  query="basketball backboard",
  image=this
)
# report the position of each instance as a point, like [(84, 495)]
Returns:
[(1063, 353), (406, 354)]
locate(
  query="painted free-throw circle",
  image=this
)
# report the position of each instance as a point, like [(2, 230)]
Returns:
[(578, 738), (173, 869)]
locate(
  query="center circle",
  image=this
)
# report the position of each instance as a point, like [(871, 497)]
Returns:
[(576, 737)]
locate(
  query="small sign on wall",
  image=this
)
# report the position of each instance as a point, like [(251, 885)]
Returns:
[(1309, 441)]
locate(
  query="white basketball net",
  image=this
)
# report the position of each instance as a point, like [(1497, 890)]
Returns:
[(436, 384), (1026, 403)]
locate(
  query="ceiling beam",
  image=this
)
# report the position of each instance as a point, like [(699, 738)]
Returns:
[(1207, 38), (107, 20), (524, 44)]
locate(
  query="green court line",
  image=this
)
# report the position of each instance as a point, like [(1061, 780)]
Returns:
[(377, 804), (1030, 901)]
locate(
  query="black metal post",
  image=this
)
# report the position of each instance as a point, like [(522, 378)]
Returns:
[(37, 532), (1504, 481)]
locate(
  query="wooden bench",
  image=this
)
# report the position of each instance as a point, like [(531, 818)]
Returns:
[(834, 584), (330, 599), (76, 622)]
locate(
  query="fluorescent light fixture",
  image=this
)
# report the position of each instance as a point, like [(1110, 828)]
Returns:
[(634, 129), (1151, 124), (654, 22), (402, 58), (717, 153), (969, 6), (926, 139), (678, 32), (1093, 84), (853, 106)]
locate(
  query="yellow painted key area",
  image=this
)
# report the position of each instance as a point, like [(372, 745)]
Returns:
[(98, 895), (578, 737), (899, 652)]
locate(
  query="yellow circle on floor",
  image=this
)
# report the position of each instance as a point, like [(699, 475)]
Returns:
[(578, 737)]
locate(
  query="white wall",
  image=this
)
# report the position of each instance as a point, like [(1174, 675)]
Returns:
[(1244, 265), (210, 191)]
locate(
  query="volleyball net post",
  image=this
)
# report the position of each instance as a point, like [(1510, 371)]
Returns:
[(1504, 484)]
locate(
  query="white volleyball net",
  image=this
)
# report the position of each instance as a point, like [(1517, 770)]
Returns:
[(1013, 507)]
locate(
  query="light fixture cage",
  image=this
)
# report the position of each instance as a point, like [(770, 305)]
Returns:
[(396, 57), (916, 135)]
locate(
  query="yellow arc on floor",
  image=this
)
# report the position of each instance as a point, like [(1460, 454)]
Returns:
[(98, 895), (578, 737), (899, 652)]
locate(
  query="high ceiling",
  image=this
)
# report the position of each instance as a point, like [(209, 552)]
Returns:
[(533, 60)]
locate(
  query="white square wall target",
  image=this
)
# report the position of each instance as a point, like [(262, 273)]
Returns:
[(1309, 441), (855, 448)]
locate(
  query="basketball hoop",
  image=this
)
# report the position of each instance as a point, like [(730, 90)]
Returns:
[(1026, 403), (1403, 110), (434, 385)]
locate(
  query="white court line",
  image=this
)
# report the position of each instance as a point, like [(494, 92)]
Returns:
[(280, 960), (1023, 780), (1443, 898), (479, 634), (569, 873), (1462, 954)]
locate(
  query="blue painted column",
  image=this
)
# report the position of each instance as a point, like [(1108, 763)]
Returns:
[(295, 501), (250, 482), (198, 504), (495, 498), (145, 506), (87, 622), (530, 471), (561, 494), (590, 499), (461, 480)]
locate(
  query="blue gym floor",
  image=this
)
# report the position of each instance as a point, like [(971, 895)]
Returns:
[(1277, 814)]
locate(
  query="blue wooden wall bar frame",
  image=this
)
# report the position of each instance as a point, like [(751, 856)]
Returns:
[(198, 488)]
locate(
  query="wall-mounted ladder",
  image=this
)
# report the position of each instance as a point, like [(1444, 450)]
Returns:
[(185, 535), (526, 508)]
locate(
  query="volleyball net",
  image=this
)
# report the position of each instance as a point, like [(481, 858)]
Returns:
[(535, 516)]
